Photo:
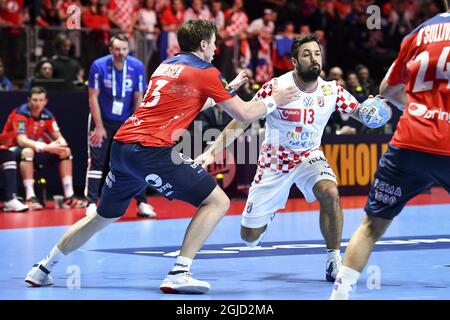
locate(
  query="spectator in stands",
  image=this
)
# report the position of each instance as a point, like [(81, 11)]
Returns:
[(95, 42), (65, 67), (37, 137), (35, 7), (49, 13), (5, 84), (217, 14), (172, 16), (354, 87), (147, 24), (304, 29), (43, 70), (123, 14), (12, 39), (197, 11), (281, 55), (261, 34), (234, 33), (366, 82), (337, 75), (69, 13)]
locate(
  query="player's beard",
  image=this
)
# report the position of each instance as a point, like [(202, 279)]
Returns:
[(311, 74)]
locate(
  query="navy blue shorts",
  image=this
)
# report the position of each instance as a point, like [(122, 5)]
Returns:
[(401, 175), (134, 167)]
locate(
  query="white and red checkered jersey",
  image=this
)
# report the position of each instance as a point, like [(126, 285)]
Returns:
[(295, 130)]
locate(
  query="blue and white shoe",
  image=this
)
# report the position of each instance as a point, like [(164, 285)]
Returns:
[(256, 242), (39, 276), (332, 268)]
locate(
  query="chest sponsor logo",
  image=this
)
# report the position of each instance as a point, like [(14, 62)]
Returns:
[(291, 115), (308, 101), (320, 101), (326, 90)]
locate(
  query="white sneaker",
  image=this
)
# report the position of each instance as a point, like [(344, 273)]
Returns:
[(39, 276), (145, 211), (183, 283), (91, 209), (332, 267), (14, 205)]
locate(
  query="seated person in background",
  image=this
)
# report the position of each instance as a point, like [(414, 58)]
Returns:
[(8, 170), (33, 125), (43, 70), (5, 84)]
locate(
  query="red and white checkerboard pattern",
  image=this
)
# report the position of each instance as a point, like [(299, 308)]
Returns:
[(345, 102), (264, 92), (237, 24), (279, 159)]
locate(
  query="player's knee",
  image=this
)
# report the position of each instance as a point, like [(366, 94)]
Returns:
[(66, 155), (220, 200), (251, 234), (372, 229), (327, 193), (27, 154)]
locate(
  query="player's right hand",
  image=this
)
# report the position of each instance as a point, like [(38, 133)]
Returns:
[(97, 136), (283, 96)]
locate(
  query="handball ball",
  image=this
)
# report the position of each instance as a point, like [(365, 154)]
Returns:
[(374, 112)]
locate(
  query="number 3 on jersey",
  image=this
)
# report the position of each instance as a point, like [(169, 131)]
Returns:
[(156, 94)]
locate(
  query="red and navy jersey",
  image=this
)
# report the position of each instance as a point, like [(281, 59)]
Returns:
[(175, 95), (423, 66), (20, 121)]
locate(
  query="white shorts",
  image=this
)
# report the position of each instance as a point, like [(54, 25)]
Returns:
[(272, 191)]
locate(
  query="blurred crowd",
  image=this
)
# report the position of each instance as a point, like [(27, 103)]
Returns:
[(254, 35)]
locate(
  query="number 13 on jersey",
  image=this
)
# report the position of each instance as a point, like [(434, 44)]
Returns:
[(153, 93)]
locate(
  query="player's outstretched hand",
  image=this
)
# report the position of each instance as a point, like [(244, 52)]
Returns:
[(205, 159), (283, 96), (240, 80)]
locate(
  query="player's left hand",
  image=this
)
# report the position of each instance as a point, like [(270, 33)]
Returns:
[(240, 80), (205, 159)]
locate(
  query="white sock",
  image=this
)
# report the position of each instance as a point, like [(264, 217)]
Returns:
[(182, 264), (332, 253), (68, 186), (345, 279), (29, 188), (52, 258)]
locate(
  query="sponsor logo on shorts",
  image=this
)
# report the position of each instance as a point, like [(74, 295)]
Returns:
[(156, 182), (316, 159), (327, 174), (386, 193), (249, 207), (110, 179)]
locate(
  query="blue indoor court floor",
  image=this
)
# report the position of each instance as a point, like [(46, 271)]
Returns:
[(129, 260)]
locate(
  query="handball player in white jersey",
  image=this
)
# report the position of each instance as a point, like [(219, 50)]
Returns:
[(290, 153)]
